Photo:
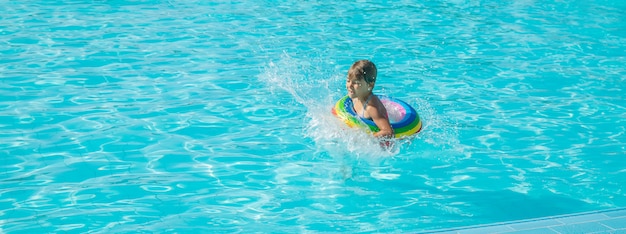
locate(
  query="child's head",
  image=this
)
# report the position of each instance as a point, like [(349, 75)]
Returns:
[(363, 70)]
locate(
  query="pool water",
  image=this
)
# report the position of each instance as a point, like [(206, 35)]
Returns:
[(214, 116)]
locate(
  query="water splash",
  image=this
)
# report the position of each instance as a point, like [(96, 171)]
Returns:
[(316, 85)]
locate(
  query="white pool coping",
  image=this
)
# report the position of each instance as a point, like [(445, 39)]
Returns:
[(598, 222)]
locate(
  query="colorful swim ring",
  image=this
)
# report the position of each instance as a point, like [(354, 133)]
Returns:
[(403, 118)]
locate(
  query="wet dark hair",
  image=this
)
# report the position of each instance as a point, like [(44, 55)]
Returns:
[(363, 69)]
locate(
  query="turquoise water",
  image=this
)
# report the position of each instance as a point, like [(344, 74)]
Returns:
[(213, 116)]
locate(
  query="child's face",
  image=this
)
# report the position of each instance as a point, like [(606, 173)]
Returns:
[(356, 87)]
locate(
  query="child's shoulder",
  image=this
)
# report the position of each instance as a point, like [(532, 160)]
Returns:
[(376, 102)]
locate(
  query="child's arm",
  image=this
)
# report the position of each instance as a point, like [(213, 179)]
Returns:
[(378, 113)]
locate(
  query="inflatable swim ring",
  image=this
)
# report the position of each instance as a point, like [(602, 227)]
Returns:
[(403, 118)]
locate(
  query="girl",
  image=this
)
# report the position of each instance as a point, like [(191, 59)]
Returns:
[(360, 82)]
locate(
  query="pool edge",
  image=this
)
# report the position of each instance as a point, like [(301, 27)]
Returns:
[(597, 221)]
